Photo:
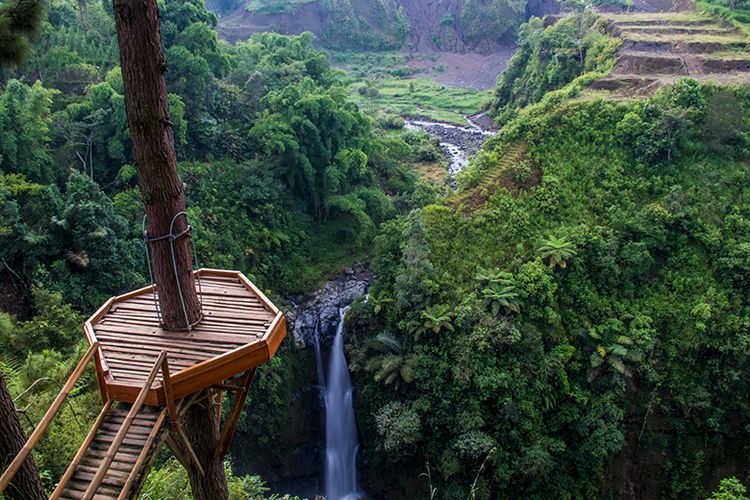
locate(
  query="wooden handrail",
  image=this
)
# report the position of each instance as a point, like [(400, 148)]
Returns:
[(120, 436), (173, 422), (48, 416), (141, 457), (81, 452)]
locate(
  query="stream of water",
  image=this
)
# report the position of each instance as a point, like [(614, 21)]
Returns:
[(457, 142), (341, 429)]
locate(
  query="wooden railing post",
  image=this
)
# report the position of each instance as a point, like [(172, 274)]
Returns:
[(120, 436), (173, 422), (168, 393), (44, 423)]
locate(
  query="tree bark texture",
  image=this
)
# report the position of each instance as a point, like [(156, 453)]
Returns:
[(143, 69), (26, 484), (201, 426)]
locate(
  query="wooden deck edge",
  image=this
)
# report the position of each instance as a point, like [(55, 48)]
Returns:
[(243, 281), (275, 334), (198, 377), (201, 375)]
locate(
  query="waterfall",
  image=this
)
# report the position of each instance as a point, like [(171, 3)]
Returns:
[(341, 430)]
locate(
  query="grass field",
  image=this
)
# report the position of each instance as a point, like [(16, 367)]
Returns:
[(274, 6), (418, 97)]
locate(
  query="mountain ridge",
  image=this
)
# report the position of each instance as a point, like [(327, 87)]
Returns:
[(482, 26)]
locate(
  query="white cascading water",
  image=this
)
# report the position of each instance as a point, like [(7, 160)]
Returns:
[(341, 428)]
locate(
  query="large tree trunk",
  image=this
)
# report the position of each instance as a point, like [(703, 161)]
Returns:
[(202, 428), (26, 483), (143, 68)]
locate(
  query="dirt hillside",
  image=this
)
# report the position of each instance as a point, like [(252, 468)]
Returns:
[(459, 26), (661, 47)]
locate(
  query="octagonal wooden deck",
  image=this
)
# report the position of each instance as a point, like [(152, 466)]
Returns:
[(146, 373), (240, 330)]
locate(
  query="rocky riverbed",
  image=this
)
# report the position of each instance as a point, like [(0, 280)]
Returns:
[(458, 142)]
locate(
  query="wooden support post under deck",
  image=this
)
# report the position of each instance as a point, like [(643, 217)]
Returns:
[(234, 414), (168, 392), (120, 436), (44, 423), (177, 451), (218, 405)]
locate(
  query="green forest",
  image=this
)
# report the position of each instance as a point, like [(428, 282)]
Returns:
[(574, 318)]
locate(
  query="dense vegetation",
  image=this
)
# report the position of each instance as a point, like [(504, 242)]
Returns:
[(532, 342), (733, 10), (389, 24), (550, 57), (527, 340), (287, 181)]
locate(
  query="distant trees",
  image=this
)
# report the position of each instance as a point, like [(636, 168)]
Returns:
[(550, 57), (391, 362), (19, 22), (500, 296), (25, 119)]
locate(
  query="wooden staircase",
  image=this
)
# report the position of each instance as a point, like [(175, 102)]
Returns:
[(131, 462), (142, 402)]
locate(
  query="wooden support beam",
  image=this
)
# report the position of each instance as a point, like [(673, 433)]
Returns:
[(44, 423), (135, 471), (218, 405), (81, 452), (191, 452), (234, 414), (120, 436), (177, 451), (168, 392), (227, 387)]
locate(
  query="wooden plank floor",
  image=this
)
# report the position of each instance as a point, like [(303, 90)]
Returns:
[(125, 459), (131, 338)]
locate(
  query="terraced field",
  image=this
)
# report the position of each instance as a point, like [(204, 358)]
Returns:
[(501, 176), (660, 48)]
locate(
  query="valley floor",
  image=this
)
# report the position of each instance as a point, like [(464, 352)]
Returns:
[(468, 70)]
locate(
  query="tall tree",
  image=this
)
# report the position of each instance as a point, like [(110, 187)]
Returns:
[(26, 483), (143, 72), (146, 104)]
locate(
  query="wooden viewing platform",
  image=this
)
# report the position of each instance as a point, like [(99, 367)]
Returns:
[(240, 330), (148, 377)]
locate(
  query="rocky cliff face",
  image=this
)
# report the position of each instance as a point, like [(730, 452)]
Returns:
[(481, 26)]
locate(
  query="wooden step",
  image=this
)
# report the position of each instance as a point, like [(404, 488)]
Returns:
[(122, 467)]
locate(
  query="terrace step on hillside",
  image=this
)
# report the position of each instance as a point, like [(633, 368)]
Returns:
[(660, 48)]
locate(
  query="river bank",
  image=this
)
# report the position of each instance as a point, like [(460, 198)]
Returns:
[(459, 143)]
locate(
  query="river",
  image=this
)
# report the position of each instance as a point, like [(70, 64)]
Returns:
[(459, 143)]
